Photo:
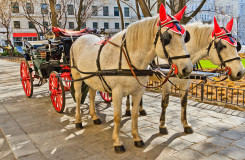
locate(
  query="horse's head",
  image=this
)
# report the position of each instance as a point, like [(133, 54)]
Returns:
[(223, 51), (172, 41)]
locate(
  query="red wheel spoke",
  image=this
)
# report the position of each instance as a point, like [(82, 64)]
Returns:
[(57, 92), (27, 82)]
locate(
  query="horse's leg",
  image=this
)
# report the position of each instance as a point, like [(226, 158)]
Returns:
[(117, 96), (142, 110), (92, 112), (78, 96), (138, 142), (164, 104), (184, 94), (128, 113)]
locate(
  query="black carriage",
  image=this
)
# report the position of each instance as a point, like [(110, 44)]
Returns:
[(49, 61)]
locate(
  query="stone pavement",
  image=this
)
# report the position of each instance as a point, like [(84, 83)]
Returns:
[(31, 129)]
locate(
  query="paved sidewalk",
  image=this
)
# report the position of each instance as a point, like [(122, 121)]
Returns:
[(32, 129)]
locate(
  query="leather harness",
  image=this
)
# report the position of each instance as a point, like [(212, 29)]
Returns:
[(133, 71)]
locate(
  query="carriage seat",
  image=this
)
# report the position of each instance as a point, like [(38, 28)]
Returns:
[(68, 33)]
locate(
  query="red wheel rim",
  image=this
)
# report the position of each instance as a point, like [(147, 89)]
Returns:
[(67, 85), (25, 78), (106, 97), (56, 92)]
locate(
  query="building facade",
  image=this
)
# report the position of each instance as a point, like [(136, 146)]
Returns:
[(225, 10), (102, 14), (206, 13)]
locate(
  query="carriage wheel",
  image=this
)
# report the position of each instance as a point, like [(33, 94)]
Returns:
[(106, 97), (67, 85), (57, 92), (26, 78)]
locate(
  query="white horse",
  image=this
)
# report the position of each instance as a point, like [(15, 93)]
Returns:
[(206, 40), (139, 37)]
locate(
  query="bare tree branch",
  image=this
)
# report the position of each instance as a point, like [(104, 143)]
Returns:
[(129, 6)]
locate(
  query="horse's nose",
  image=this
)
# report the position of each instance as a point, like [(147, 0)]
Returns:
[(239, 75), (186, 72)]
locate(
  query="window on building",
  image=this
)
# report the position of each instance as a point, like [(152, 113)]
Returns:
[(18, 41), (94, 11), (126, 25), (16, 24), (44, 8), (29, 8), (45, 24), (95, 25), (126, 12), (31, 25), (84, 25), (58, 7), (105, 11), (15, 7), (116, 25), (116, 11), (70, 9), (71, 25), (106, 25)]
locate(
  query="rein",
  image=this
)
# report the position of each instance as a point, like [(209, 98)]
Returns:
[(133, 72)]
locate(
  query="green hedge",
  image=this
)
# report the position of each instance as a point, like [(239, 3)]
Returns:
[(209, 64), (15, 53)]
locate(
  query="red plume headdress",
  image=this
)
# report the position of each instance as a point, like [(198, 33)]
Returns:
[(219, 31), (164, 19)]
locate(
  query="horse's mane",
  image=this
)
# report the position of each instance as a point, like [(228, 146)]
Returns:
[(200, 34), (140, 32)]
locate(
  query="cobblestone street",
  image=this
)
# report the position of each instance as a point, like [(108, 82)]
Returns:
[(31, 129)]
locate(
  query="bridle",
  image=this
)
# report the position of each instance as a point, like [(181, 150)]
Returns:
[(219, 46), (165, 38)]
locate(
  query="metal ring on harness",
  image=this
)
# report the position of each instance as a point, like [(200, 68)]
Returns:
[(175, 68), (228, 70)]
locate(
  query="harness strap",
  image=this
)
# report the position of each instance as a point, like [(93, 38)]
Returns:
[(179, 57), (104, 82), (232, 59), (164, 45), (98, 57), (223, 63), (120, 58)]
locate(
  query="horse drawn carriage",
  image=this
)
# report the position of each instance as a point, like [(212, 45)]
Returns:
[(121, 76), (49, 61)]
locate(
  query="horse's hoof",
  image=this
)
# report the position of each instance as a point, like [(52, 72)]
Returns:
[(128, 113), (139, 144), (143, 113), (163, 130), (97, 122), (119, 149), (79, 125), (188, 130)]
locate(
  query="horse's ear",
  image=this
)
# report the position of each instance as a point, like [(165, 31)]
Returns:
[(217, 29), (229, 25), (162, 13), (180, 14)]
